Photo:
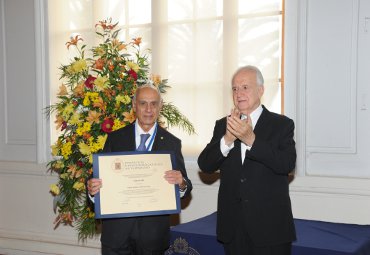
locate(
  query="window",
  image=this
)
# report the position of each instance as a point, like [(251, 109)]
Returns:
[(196, 44)]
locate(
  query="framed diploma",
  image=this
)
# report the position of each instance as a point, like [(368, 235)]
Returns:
[(133, 184)]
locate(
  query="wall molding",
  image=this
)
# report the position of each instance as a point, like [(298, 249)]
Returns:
[(70, 239), (351, 149), (25, 243), (303, 149), (24, 168), (42, 81), (329, 185)]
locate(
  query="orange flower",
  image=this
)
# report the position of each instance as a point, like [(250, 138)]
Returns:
[(119, 86), (118, 44), (72, 169), (59, 121), (99, 64), (74, 41), (86, 135), (62, 90), (122, 47), (78, 173), (105, 24), (79, 90), (156, 79), (93, 117), (137, 41), (130, 117), (66, 218), (100, 104)]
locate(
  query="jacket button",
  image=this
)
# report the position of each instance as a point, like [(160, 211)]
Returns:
[(243, 180)]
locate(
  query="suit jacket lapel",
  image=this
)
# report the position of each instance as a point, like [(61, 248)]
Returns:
[(158, 139), (129, 142), (261, 130), (262, 126)]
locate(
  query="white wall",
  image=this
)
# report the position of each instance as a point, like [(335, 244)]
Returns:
[(326, 77), (327, 81)]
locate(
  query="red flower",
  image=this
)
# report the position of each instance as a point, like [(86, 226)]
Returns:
[(132, 74), (107, 125), (80, 163), (64, 125), (89, 83)]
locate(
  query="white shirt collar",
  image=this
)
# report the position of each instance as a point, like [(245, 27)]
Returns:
[(139, 130), (255, 115)]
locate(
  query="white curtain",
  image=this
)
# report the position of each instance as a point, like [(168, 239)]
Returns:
[(196, 44)]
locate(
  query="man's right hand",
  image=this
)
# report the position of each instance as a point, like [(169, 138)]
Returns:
[(93, 186), (229, 137)]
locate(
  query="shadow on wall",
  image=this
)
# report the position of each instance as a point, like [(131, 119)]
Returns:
[(207, 179)]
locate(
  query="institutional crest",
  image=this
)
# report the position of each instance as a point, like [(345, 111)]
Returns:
[(181, 246)]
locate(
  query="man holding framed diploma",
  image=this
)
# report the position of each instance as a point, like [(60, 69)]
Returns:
[(135, 187)]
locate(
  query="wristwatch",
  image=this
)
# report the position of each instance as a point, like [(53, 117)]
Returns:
[(184, 186)]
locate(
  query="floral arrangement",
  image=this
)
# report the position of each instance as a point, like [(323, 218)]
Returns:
[(94, 100)]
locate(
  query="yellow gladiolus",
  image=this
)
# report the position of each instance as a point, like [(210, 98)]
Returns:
[(79, 65), (101, 82), (66, 150), (64, 176), (84, 148), (54, 189), (75, 119), (67, 111), (54, 150), (79, 186)]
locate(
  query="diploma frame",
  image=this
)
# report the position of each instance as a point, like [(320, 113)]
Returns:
[(141, 192)]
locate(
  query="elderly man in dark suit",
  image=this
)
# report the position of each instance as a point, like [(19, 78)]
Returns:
[(148, 234), (254, 151)]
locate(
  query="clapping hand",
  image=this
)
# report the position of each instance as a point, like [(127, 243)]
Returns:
[(240, 129)]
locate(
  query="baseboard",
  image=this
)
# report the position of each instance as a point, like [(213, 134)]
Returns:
[(22, 243)]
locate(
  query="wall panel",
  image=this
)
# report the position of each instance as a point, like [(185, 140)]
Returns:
[(18, 82)]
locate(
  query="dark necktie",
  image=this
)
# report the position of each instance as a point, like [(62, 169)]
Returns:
[(143, 138)]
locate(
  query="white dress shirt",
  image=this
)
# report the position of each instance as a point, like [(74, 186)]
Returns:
[(139, 131)]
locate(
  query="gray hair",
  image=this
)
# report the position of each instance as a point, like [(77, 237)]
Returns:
[(147, 85), (259, 77)]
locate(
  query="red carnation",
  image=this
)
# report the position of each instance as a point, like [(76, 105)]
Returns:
[(89, 83), (132, 74), (107, 125)]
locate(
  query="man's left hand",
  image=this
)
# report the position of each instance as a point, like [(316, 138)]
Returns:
[(242, 129), (175, 177)]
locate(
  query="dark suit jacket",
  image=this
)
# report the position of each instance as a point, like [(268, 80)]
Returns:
[(255, 194), (154, 230)]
